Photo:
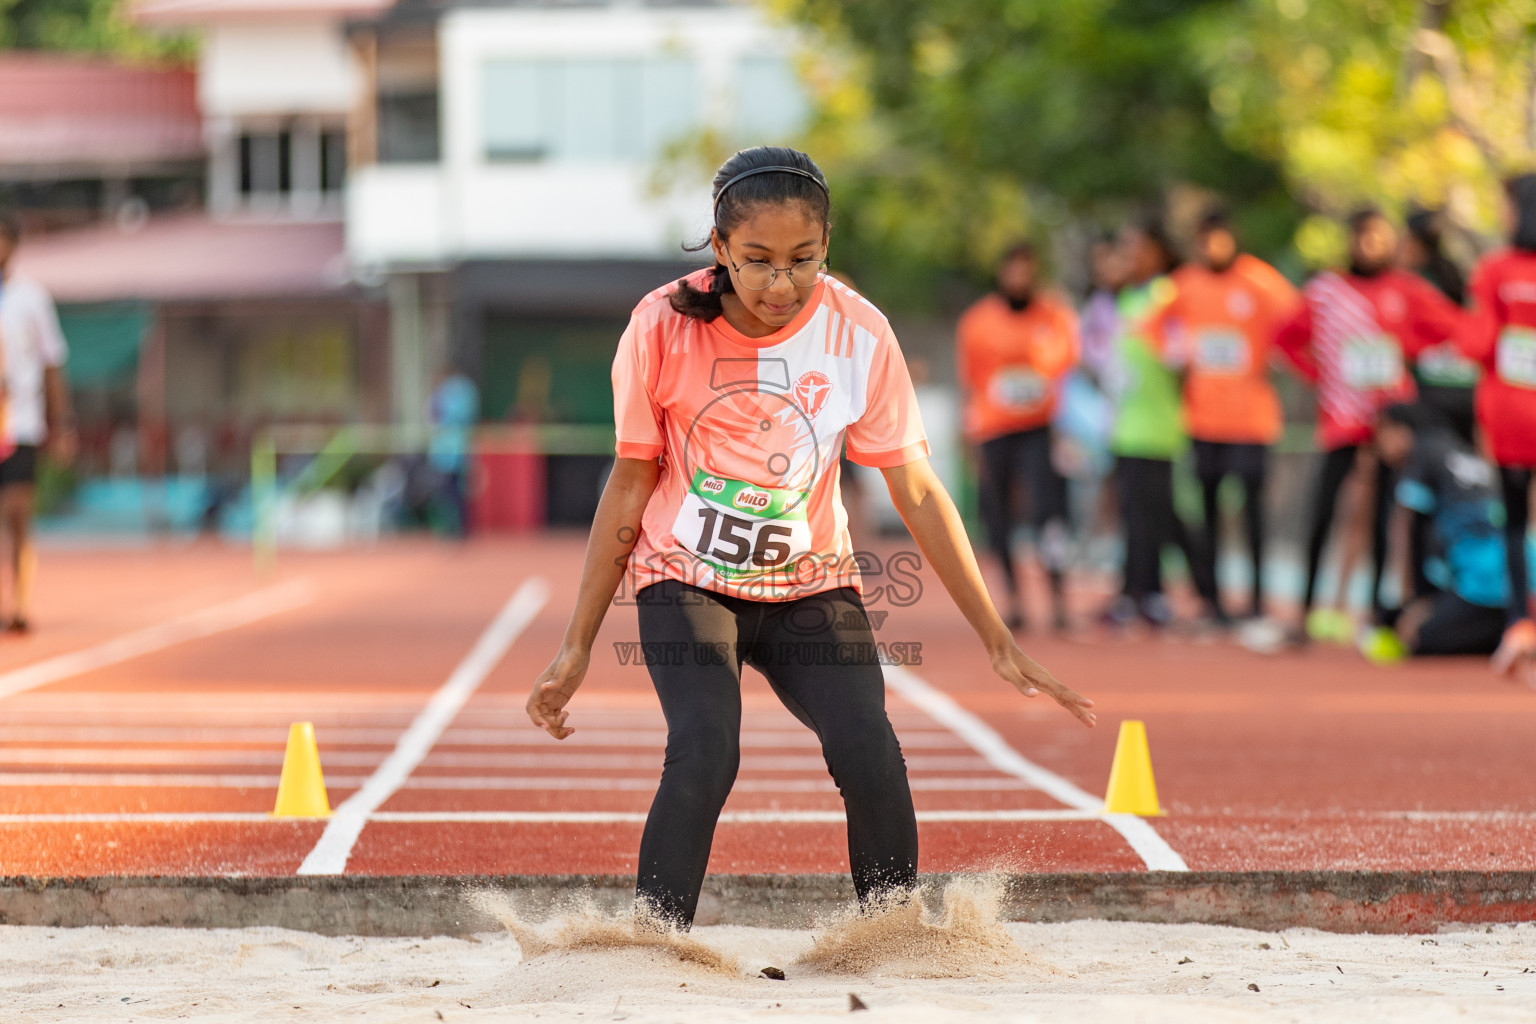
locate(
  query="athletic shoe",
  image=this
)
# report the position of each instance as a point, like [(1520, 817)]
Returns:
[(1263, 636), (1516, 655), (1156, 610), (1120, 613), (1330, 626), (1382, 646)]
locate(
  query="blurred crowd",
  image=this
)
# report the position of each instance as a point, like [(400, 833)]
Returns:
[(1424, 382)]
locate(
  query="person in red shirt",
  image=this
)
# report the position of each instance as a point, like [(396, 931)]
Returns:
[(1502, 338), (1352, 338), (1013, 348), (1218, 329)]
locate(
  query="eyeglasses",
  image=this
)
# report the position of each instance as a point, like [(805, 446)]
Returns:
[(758, 275)]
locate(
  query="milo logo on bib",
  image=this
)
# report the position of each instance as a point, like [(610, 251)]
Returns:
[(752, 500), (741, 530)]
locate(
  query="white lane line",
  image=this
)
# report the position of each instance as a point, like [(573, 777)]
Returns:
[(1152, 848), (727, 818), (445, 783), (176, 756), (344, 735), (540, 817), (205, 622), (329, 857), (155, 780), (274, 734)]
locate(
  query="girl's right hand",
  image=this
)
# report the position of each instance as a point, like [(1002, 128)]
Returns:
[(554, 688)]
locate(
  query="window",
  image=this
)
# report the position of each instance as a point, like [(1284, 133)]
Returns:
[(586, 109), (282, 162), (333, 160), (264, 159), (408, 131), (771, 104)]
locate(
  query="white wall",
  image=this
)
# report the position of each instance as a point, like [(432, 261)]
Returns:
[(260, 68), (557, 207)]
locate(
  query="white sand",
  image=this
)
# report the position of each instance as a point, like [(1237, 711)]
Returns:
[(1083, 971)]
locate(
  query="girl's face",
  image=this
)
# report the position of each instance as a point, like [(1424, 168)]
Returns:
[(781, 235)]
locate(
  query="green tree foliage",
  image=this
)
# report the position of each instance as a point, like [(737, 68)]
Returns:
[(83, 26), (1393, 102), (953, 126)]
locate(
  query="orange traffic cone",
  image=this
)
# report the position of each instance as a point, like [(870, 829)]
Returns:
[(1131, 789), (301, 790)]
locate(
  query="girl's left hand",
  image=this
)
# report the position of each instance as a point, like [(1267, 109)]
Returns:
[(1030, 677)]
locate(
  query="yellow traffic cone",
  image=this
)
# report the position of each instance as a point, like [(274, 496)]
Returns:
[(301, 790), (1131, 789)]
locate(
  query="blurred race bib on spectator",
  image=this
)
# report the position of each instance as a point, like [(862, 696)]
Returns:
[(1516, 359), (1018, 388), (1371, 363), (1221, 350)]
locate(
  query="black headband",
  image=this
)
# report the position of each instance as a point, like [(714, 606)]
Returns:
[(764, 170)]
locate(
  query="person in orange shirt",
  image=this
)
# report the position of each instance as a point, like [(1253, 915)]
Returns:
[(1218, 329), (1013, 348)]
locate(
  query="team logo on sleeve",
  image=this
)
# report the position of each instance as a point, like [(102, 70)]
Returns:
[(811, 390)]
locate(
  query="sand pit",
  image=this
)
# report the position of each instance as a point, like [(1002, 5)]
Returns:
[(1082, 971)]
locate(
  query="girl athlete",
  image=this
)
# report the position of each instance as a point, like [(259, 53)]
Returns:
[(734, 389), (1353, 337), (1503, 340)]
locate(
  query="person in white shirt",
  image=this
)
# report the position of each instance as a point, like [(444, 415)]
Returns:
[(37, 412)]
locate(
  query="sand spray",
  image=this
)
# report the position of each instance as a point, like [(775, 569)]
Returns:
[(580, 924), (905, 939), (964, 937)]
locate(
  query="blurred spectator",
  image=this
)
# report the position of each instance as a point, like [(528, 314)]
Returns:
[(1502, 339), (1218, 329), (1352, 338), (1148, 434), (37, 411), (1446, 378), (1013, 348), (1460, 586), (455, 410)]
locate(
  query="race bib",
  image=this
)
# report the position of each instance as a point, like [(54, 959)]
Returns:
[(741, 530), (1018, 388), (1221, 351), (1516, 358), (1443, 366), (1372, 363)]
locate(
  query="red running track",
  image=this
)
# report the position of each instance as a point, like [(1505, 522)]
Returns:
[(163, 758)]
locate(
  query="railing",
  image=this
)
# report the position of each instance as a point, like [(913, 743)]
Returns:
[(334, 447)]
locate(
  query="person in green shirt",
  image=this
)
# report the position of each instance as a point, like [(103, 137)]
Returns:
[(1148, 435)]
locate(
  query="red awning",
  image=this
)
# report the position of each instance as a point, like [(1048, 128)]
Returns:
[(200, 12), (187, 257), (63, 111)]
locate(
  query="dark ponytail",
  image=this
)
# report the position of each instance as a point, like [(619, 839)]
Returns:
[(753, 177), (1522, 196)]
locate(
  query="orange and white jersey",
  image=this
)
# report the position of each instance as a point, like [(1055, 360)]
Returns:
[(749, 430)]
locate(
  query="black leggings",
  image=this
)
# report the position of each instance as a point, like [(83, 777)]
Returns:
[(1335, 470), (1145, 490), (1517, 520), (818, 655), (1024, 458), (1214, 462)]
